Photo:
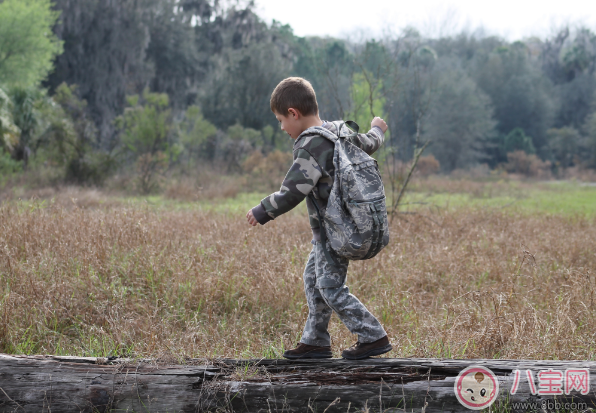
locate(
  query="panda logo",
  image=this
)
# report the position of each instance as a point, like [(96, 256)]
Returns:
[(476, 387)]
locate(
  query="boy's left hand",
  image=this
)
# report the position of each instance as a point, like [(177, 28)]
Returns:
[(251, 218), (377, 121)]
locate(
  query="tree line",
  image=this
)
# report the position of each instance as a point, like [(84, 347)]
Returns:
[(90, 87)]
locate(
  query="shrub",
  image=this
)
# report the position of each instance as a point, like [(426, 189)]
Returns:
[(8, 166), (427, 165), (275, 163), (520, 162), (69, 139), (253, 161), (146, 132), (517, 140), (268, 171), (150, 168), (92, 168), (196, 136), (565, 145)]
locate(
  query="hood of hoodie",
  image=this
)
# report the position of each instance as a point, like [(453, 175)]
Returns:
[(328, 130)]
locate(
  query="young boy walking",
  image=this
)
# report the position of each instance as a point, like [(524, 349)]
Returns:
[(295, 106)]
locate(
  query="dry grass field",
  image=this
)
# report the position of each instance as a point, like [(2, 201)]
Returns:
[(101, 277)]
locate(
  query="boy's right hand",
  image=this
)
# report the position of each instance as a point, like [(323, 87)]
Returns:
[(251, 218), (377, 121)]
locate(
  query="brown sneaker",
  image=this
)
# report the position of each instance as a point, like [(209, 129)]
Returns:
[(363, 350), (305, 351)]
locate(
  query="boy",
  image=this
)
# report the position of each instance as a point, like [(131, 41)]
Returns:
[(294, 104)]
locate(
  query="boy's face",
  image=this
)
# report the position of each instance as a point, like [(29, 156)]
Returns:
[(291, 123)]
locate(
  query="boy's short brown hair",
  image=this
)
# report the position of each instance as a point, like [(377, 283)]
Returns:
[(297, 93)]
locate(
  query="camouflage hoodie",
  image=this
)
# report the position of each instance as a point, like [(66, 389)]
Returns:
[(312, 170)]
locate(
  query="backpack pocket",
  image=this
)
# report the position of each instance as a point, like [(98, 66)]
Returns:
[(364, 182), (371, 226)]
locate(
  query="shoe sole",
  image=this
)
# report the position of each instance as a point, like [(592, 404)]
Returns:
[(370, 353), (308, 356)]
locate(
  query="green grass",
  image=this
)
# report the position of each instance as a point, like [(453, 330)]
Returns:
[(561, 198), (567, 198), (239, 204)]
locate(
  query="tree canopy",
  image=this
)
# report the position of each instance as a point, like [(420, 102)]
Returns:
[(203, 74), (27, 44)]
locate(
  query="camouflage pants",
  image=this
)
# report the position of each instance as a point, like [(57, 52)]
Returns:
[(324, 285)]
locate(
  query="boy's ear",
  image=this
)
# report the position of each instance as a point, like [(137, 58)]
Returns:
[(295, 113)]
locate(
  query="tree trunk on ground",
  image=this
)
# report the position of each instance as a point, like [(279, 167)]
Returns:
[(74, 384)]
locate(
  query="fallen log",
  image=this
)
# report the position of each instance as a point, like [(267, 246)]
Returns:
[(88, 384)]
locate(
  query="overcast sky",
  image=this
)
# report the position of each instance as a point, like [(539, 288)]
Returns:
[(512, 19)]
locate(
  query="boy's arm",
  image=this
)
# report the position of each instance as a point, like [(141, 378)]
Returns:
[(299, 181), (371, 141)]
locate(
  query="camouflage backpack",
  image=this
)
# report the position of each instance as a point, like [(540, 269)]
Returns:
[(355, 220)]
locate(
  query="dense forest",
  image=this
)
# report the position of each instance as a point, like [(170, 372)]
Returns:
[(89, 88)]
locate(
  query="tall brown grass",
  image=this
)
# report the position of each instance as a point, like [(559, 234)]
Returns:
[(147, 282)]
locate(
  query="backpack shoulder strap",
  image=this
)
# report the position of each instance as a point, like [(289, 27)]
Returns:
[(351, 126)]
